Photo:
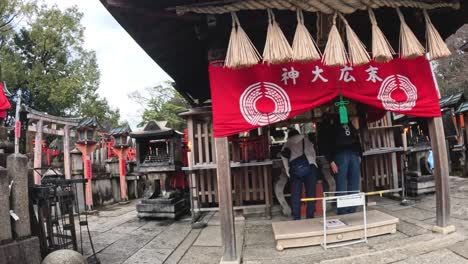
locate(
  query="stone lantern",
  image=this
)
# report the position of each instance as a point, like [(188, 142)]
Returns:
[(120, 148), (86, 143)]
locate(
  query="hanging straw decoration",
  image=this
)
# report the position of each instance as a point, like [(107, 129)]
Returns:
[(435, 44), (304, 47), (410, 47), (277, 48), (356, 49), (241, 52), (335, 51), (382, 51)]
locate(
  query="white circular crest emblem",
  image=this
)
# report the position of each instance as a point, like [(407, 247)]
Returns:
[(255, 92), (393, 83)]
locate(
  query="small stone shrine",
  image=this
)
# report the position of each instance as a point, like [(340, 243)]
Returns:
[(158, 155)]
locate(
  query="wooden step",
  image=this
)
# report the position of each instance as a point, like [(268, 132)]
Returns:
[(309, 232)]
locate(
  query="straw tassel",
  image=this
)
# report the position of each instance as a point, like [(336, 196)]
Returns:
[(335, 51), (356, 49), (410, 47), (277, 48), (382, 51), (304, 47), (241, 52), (435, 44)]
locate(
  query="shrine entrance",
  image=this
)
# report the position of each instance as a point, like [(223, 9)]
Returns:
[(41, 123)]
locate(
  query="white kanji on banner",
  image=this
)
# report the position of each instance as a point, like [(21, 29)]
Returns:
[(373, 77), (391, 84), (318, 74), (346, 74), (253, 93), (289, 75)]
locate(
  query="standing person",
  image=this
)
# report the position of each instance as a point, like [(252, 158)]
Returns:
[(343, 151), (298, 155)]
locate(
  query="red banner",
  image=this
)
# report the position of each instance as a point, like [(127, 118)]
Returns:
[(244, 99), (4, 103), (18, 129)]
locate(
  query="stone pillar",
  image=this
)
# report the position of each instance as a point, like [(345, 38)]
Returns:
[(38, 152), (17, 165), (5, 226), (66, 152), (76, 165)]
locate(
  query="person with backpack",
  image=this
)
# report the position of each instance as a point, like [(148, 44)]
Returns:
[(299, 160), (343, 151)]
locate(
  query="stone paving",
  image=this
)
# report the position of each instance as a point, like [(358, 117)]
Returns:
[(120, 237)]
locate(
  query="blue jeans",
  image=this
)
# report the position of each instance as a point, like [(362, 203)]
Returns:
[(349, 174), (296, 193)]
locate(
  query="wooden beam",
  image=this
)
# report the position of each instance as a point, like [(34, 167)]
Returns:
[(56, 132), (53, 119), (226, 213), (38, 152), (441, 171)]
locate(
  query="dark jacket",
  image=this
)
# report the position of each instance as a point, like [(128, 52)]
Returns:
[(336, 138)]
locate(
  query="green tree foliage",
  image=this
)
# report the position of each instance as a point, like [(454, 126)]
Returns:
[(452, 72), (161, 103), (93, 105), (46, 59)]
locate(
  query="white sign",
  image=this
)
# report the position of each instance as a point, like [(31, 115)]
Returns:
[(350, 200), (14, 215), (334, 223)]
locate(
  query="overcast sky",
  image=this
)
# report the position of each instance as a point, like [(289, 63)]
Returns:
[(124, 66)]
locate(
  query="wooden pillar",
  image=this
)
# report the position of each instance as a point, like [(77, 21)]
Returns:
[(465, 141), (366, 182), (122, 154), (38, 152), (441, 171), (66, 152), (191, 161), (226, 213)]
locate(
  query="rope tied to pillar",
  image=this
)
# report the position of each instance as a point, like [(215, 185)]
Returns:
[(277, 48), (410, 47), (356, 49), (304, 47), (335, 51), (241, 51), (382, 51)]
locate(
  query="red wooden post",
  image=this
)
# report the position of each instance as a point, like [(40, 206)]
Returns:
[(86, 149), (121, 153)]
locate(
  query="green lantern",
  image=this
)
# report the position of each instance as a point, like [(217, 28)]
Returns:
[(342, 110)]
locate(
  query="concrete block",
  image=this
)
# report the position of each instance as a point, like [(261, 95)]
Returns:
[(18, 172), (444, 230), (24, 251), (439, 256), (80, 193), (5, 227), (461, 248)]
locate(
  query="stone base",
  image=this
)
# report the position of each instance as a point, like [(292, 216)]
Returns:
[(444, 230), (239, 247), (237, 261), (416, 186), (23, 251), (309, 232), (92, 212), (124, 202), (162, 208)]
